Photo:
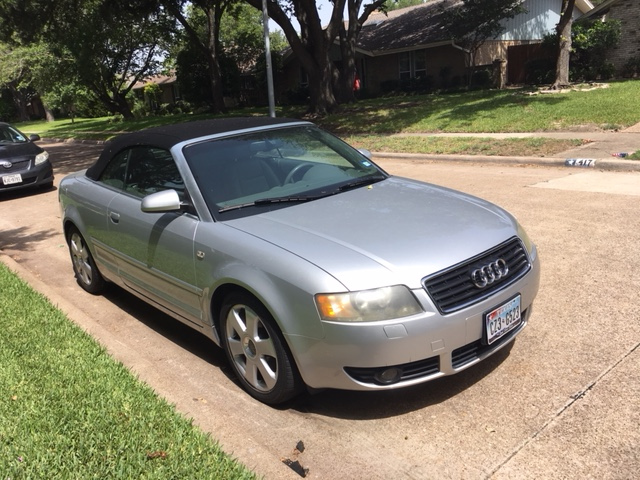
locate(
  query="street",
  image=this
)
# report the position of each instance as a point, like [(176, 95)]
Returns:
[(562, 402)]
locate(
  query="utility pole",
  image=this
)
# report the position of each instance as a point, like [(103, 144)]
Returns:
[(267, 53)]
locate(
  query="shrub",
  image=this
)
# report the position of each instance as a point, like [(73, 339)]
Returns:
[(631, 68), (539, 71)]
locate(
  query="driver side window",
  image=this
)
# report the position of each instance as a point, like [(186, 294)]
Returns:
[(141, 171)]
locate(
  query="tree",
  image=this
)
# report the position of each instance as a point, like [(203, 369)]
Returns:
[(113, 45), (313, 43), (206, 40), (472, 22), (563, 30), (109, 44), (15, 75), (398, 4)]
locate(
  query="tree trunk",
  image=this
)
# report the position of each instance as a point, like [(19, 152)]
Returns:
[(20, 101), (209, 46), (116, 104), (348, 70), (214, 14), (48, 114), (563, 30), (322, 98)]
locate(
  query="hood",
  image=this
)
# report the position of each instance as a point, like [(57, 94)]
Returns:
[(17, 151), (395, 232)]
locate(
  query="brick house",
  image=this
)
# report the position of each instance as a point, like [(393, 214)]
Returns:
[(169, 90), (410, 45), (627, 12)]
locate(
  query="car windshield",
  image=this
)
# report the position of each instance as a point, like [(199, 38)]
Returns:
[(275, 168), (11, 135)]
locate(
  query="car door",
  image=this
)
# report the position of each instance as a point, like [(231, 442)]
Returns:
[(154, 251)]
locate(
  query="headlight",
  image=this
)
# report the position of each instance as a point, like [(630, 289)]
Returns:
[(367, 305), (42, 157), (525, 239)]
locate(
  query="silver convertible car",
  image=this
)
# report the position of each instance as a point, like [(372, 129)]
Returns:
[(307, 263)]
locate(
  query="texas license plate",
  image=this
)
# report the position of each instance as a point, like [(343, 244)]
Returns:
[(11, 179), (502, 320)]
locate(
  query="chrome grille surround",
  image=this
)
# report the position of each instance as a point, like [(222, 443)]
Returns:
[(453, 289)]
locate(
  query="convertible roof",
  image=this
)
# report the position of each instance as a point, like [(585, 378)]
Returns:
[(167, 136)]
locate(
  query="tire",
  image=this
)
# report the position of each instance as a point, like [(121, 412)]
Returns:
[(84, 267), (256, 351)]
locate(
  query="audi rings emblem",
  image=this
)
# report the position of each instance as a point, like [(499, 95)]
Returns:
[(490, 273)]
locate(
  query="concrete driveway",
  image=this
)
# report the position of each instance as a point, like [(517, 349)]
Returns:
[(561, 403)]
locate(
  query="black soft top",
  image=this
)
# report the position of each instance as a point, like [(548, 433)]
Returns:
[(167, 136)]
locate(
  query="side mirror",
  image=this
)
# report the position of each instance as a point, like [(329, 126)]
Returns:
[(365, 152), (34, 137), (165, 201)]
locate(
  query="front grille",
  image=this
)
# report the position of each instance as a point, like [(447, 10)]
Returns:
[(421, 368), (453, 289), (17, 165)]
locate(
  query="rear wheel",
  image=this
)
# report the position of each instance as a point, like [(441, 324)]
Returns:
[(84, 267), (256, 350)]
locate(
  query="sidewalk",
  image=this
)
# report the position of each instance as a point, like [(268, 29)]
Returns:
[(600, 149)]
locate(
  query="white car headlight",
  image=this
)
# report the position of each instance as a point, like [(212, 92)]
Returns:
[(367, 305), (42, 157)]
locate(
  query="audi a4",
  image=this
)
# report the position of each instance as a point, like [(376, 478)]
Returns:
[(309, 265), (23, 164)]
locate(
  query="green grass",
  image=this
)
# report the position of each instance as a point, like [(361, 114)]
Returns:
[(67, 410), (490, 111), (493, 111), (540, 147)]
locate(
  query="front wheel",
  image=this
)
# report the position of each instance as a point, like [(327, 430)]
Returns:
[(84, 267), (256, 351)]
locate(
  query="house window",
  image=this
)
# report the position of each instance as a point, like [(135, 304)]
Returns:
[(405, 66), (412, 65)]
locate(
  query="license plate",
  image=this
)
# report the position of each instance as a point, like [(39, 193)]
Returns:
[(11, 179), (502, 320)]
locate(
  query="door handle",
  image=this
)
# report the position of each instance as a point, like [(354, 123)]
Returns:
[(115, 217)]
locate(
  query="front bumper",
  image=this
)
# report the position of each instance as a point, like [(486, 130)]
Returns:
[(37, 176), (423, 347)]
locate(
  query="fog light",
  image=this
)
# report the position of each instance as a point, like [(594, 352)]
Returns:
[(388, 375)]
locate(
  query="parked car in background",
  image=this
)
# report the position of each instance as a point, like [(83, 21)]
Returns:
[(23, 164), (307, 263)]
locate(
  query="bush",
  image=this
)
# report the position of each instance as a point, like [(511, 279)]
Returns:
[(591, 40), (298, 96), (631, 68), (540, 71), (481, 78)]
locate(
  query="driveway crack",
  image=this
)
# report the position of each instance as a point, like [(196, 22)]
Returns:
[(580, 394)]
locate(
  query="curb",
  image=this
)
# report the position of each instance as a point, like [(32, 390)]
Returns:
[(599, 163), (618, 165), (74, 140)]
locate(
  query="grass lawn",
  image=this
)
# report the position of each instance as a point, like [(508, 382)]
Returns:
[(493, 111), (539, 147), (370, 123), (67, 410)]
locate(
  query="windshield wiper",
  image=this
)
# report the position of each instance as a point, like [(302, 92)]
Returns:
[(368, 180), (272, 200)]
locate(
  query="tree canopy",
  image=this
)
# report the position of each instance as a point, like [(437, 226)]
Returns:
[(473, 22), (104, 45)]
